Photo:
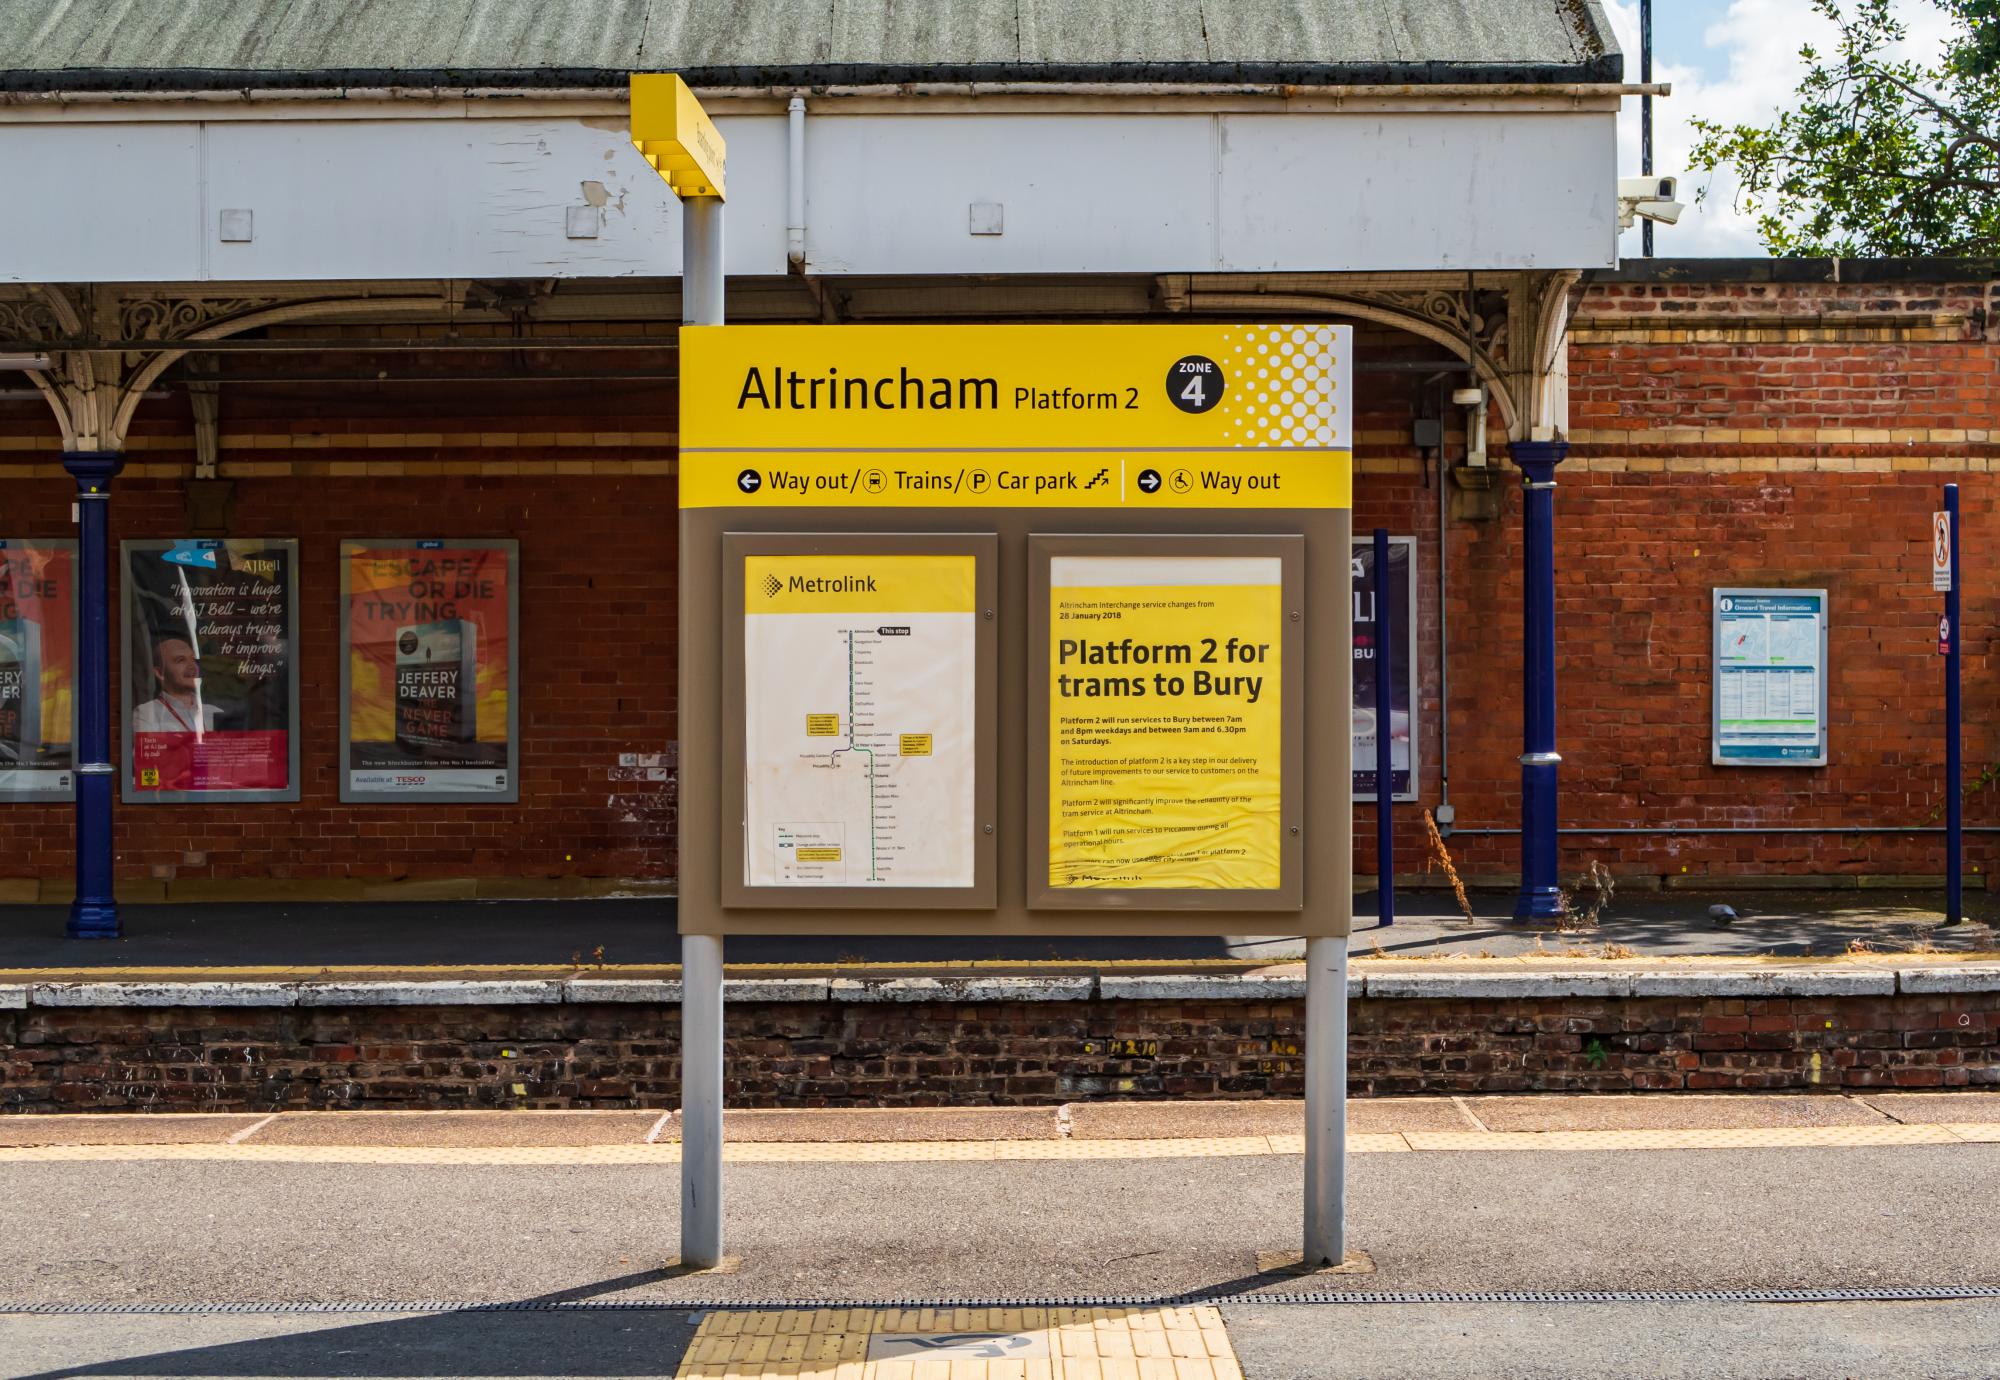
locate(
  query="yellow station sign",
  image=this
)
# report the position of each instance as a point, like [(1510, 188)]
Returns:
[(1169, 416), (675, 135)]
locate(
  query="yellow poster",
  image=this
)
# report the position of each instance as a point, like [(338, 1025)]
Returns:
[(1165, 722)]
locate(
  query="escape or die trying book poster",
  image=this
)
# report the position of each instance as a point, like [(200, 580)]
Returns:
[(428, 669)]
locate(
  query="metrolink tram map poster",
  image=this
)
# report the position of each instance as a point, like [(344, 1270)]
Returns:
[(860, 718), (429, 670), (37, 670), (1166, 724), (211, 670)]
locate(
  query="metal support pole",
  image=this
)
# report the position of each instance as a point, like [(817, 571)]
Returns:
[(1954, 767), (1541, 891), (701, 954), (1385, 723), (1326, 1102), (701, 1101), (94, 912), (1646, 114)]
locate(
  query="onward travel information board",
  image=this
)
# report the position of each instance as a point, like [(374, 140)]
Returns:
[(1011, 618), (1770, 678)]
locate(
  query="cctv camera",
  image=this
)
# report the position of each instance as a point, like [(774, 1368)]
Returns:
[(1647, 188), (1648, 198)]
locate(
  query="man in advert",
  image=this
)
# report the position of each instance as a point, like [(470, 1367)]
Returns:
[(173, 709)]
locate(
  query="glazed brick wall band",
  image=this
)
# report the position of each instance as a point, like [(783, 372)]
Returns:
[(969, 1052)]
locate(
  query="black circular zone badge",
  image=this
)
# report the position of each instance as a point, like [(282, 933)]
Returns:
[(1194, 383)]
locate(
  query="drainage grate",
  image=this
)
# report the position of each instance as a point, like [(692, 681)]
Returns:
[(1941, 1293)]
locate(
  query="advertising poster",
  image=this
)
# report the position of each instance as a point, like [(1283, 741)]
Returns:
[(860, 719), (1400, 600), (211, 670), (1165, 722), (1770, 678), (37, 669), (429, 670)]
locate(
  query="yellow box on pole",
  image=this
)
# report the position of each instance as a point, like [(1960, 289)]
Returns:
[(675, 135)]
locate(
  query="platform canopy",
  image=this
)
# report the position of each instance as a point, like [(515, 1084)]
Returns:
[(142, 45)]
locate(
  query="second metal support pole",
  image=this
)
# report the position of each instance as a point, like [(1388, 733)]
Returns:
[(1326, 1102)]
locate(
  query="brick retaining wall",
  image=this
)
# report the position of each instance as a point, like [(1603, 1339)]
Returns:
[(919, 1046)]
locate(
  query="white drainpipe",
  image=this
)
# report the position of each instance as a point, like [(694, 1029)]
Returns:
[(795, 186)]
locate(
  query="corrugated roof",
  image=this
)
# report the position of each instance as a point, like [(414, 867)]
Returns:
[(204, 44)]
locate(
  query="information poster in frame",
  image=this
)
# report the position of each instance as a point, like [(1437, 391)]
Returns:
[(211, 670), (1399, 598), (37, 670), (429, 670), (1770, 674)]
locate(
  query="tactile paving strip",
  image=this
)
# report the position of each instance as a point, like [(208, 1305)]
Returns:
[(932, 1342), (959, 1151)]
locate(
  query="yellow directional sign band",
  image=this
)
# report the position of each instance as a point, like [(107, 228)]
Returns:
[(1029, 479), (1165, 416), (675, 135), (1207, 387)]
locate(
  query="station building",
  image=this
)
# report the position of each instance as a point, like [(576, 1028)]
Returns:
[(327, 275)]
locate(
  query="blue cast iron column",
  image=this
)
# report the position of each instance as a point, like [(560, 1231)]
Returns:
[(94, 912), (1541, 893)]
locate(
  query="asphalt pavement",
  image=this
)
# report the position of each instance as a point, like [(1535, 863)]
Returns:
[(594, 1240), (165, 1231)]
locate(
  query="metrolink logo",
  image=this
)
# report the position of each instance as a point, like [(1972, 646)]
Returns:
[(819, 584)]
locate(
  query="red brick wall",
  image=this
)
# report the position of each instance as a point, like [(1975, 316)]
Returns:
[(597, 657), (1743, 461), (1724, 433)]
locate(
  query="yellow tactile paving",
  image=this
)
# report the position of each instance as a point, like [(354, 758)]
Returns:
[(963, 1344), (1707, 1138), (959, 1151)]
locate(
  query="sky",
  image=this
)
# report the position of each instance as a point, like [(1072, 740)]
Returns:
[(1732, 61)]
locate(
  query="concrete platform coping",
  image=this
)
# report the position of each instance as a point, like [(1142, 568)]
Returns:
[(1374, 981)]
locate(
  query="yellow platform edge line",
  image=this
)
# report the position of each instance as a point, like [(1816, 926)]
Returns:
[(909, 1152)]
